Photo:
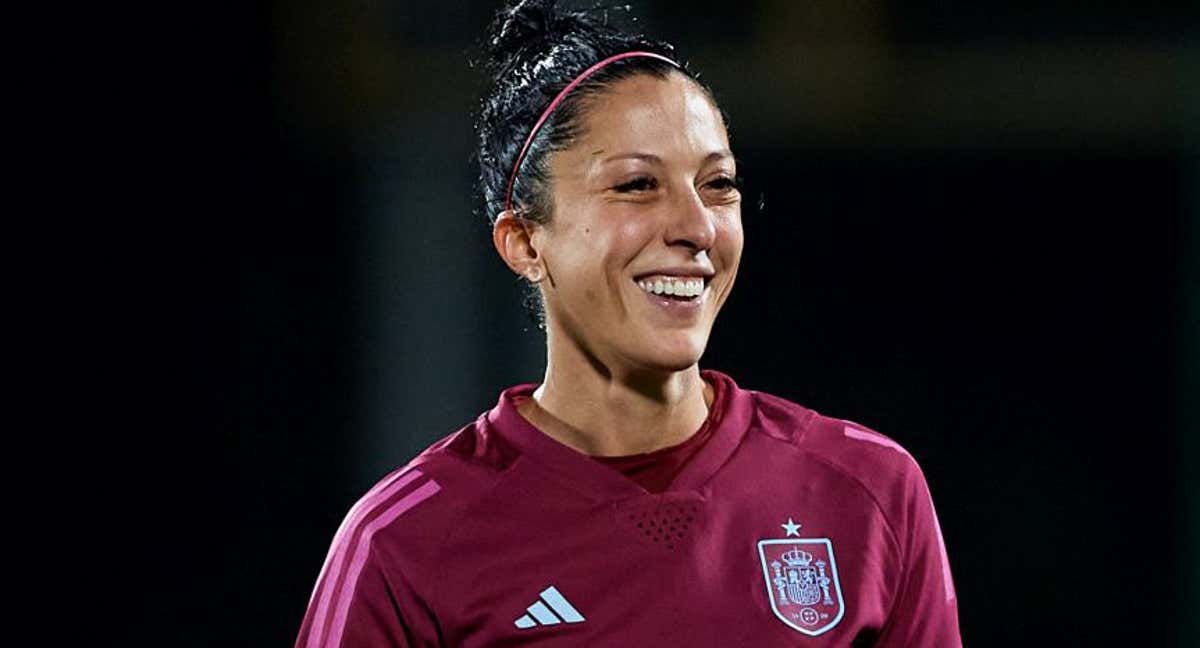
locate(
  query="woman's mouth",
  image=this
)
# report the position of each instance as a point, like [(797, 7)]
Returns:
[(679, 297), (677, 288)]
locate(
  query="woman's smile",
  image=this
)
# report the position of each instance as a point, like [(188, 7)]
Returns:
[(677, 297)]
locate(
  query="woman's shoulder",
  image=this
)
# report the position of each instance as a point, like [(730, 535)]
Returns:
[(389, 546), (861, 452), (423, 497)]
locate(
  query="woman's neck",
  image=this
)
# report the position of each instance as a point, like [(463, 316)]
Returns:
[(602, 412)]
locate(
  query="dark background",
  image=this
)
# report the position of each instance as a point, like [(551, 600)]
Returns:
[(979, 236)]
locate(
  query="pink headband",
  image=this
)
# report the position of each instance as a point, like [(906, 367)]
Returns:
[(558, 99)]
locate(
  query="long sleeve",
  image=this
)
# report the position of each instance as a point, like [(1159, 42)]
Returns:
[(925, 612)]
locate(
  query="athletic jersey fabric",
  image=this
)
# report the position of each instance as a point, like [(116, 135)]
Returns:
[(785, 527)]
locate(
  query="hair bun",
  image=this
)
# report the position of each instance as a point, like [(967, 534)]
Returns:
[(527, 27)]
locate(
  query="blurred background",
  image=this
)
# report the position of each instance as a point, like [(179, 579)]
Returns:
[(979, 234)]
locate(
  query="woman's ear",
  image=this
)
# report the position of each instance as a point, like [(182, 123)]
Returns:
[(514, 241)]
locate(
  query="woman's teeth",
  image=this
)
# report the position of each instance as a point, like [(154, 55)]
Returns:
[(672, 286)]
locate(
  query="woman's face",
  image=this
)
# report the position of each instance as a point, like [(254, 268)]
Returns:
[(646, 192)]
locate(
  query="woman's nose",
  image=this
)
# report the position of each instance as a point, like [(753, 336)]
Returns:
[(691, 221)]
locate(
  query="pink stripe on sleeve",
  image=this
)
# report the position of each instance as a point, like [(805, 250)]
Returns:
[(404, 477), (341, 544), (879, 439), (363, 547)]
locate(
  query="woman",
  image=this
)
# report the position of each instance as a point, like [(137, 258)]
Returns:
[(630, 499)]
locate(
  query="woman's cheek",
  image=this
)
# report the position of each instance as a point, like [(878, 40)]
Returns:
[(630, 228)]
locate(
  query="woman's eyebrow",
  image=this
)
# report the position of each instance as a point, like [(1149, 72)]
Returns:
[(718, 155), (654, 159), (646, 157)]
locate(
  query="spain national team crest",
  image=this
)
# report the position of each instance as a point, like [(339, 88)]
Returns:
[(802, 581)]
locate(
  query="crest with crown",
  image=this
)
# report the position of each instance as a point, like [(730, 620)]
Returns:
[(802, 584), (797, 557)]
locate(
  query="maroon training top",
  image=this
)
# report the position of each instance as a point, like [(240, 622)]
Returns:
[(782, 527)]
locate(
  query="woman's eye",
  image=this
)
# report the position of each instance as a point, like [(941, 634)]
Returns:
[(726, 183), (643, 183)]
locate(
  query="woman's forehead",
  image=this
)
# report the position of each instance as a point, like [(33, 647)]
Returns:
[(650, 116)]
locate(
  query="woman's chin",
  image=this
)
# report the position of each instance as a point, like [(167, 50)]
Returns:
[(673, 357)]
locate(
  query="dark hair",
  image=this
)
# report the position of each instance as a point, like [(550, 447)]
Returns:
[(533, 51)]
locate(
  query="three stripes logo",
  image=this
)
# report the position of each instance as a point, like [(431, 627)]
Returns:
[(551, 609)]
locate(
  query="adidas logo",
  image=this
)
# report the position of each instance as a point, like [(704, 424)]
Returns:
[(543, 611)]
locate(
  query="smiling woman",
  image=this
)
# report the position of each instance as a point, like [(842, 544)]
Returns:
[(635, 258), (630, 498)]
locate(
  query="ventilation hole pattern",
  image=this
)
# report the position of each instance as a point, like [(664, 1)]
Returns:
[(664, 526)]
